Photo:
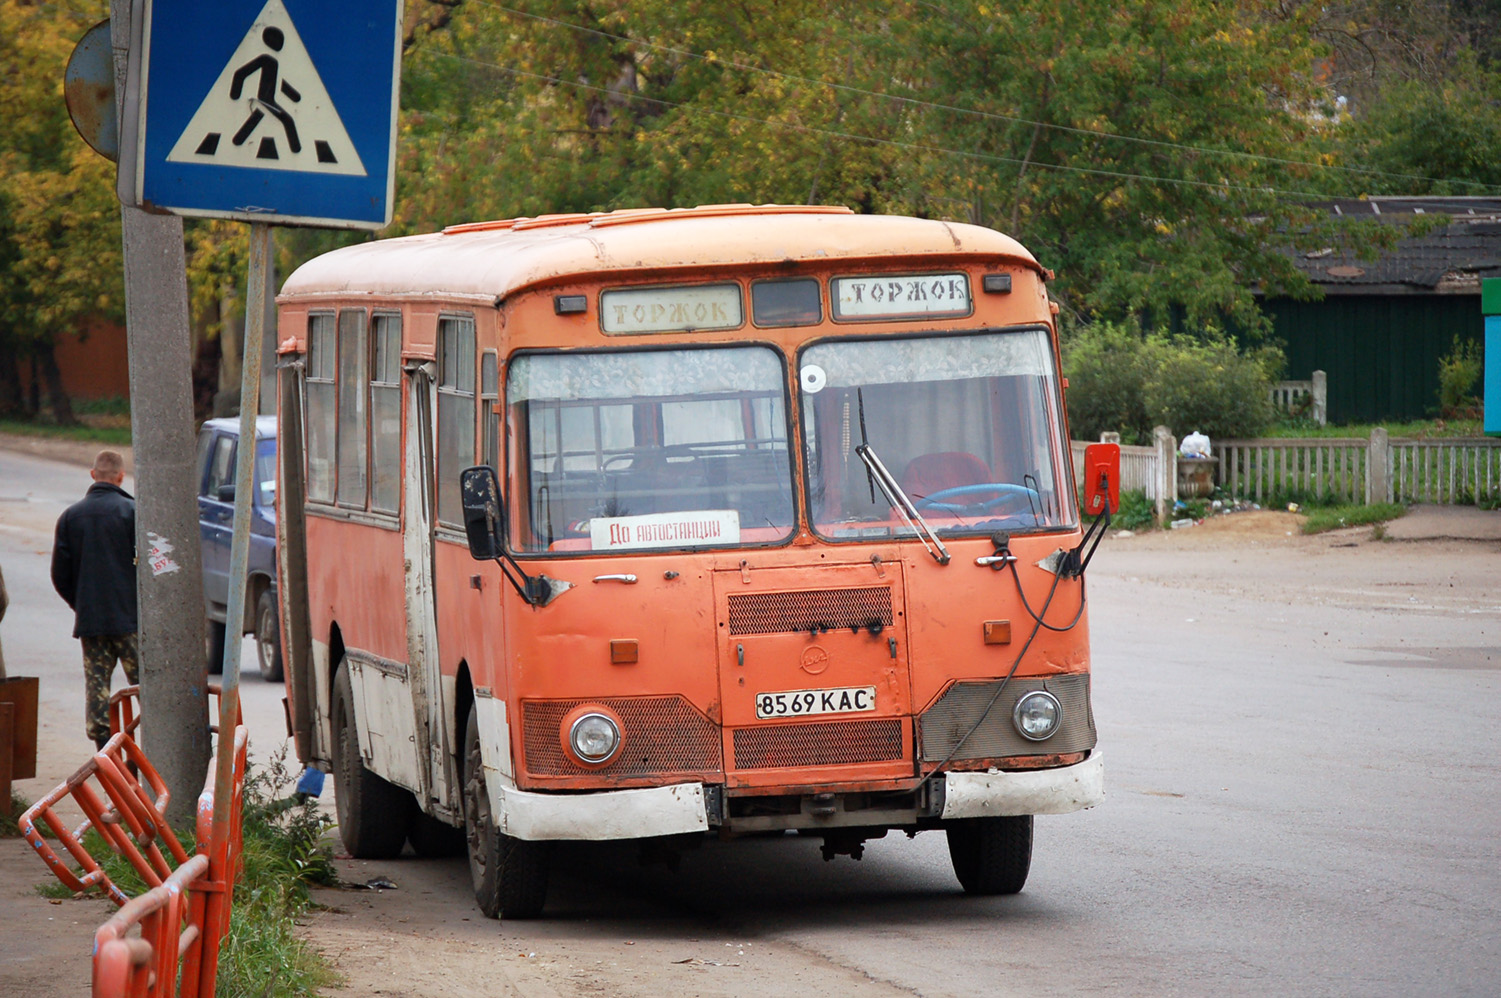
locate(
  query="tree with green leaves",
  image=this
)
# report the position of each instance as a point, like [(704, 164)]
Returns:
[(60, 261)]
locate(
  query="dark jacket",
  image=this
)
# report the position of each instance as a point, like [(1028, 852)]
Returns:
[(93, 561)]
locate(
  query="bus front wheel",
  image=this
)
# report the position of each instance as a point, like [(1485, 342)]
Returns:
[(372, 813), (509, 874), (991, 855)]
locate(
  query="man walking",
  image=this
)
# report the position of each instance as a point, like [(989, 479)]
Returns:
[(93, 569)]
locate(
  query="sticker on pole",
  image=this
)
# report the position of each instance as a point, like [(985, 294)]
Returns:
[(268, 109)]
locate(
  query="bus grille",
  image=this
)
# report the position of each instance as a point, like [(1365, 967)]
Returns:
[(963, 704), (662, 735), (826, 609), (784, 746)]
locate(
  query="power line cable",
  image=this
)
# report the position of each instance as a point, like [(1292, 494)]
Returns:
[(913, 146), (1010, 119)]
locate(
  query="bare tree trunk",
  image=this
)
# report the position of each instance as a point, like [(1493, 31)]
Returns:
[(57, 395), (12, 403), (231, 335), (34, 390)]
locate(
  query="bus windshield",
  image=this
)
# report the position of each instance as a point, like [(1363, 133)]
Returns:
[(968, 425), (664, 448)]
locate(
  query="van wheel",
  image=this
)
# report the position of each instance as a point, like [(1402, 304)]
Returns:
[(435, 839), (991, 855), (510, 875), (268, 638), (373, 814), (213, 648)]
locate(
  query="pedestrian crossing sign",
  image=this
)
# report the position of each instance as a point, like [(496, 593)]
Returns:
[(278, 111)]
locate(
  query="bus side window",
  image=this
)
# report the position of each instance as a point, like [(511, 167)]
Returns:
[(353, 424), (489, 395), (455, 412), (322, 406), (385, 413)]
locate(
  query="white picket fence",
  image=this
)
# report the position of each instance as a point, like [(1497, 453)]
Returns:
[(1377, 468)]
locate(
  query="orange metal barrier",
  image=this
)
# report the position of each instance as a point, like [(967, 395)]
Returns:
[(184, 916), (119, 809), (127, 967)]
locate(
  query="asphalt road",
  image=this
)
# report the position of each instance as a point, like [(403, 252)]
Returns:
[(1302, 799)]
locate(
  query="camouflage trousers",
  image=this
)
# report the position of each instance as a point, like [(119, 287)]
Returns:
[(99, 656)]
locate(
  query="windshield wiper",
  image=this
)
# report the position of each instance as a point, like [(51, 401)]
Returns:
[(902, 504)]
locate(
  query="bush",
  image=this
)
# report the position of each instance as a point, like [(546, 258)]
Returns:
[(1122, 381), (1459, 372)]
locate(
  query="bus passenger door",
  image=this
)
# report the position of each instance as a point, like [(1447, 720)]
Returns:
[(418, 522)]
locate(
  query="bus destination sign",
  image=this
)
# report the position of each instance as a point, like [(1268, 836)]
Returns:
[(671, 310), (890, 296)]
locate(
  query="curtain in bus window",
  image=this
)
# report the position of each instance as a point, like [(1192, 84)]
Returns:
[(455, 413), (385, 413), (322, 407), (352, 413)]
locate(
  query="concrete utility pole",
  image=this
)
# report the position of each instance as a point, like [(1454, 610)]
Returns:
[(174, 701)]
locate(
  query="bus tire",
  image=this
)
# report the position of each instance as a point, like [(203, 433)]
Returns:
[(509, 874), (991, 855), (213, 647), (432, 838), (268, 638), (373, 814)]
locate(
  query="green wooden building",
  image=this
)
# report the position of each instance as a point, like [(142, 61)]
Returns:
[(1383, 324)]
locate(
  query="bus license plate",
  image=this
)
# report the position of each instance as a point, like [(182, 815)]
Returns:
[(803, 703)]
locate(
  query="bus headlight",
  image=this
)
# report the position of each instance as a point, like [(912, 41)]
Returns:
[(1037, 715), (594, 738)]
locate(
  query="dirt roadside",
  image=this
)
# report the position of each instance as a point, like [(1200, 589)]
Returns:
[(77, 452)]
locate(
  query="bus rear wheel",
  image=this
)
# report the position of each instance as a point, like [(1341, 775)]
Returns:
[(509, 874), (991, 855), (373, 814)]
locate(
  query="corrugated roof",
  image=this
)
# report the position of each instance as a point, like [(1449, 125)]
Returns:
[(1451, 259)]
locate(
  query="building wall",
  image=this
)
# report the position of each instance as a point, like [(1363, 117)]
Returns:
[(93, 362), (1381, 352)]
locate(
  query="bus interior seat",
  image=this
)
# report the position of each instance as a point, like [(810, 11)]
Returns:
[(930, 473)]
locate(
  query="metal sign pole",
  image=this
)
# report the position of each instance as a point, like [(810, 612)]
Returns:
[(239, 545)]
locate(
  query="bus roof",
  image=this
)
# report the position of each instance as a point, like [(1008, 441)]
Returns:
[(495, 259)]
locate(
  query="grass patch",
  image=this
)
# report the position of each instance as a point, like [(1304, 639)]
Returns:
[(1136, 512), (1320, 519), (1422, 429), (117, 435), (10, 819)]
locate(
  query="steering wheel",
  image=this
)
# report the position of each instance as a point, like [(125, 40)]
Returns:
[(967, 500)]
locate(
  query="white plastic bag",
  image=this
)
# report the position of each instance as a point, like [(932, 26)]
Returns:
[(1194, 445)]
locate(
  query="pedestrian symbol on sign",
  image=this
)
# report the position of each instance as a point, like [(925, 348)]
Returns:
[(231, 126)]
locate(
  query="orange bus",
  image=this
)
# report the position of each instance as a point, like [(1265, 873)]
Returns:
[(661, 524)]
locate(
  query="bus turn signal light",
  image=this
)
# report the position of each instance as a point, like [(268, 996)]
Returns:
[(623, 652)]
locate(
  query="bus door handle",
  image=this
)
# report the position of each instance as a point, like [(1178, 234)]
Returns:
[(629, 580), (891, 643)]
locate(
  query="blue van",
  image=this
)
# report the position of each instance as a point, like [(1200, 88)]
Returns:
[(217, 443)]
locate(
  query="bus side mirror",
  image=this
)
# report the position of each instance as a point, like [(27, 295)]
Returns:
[(1102, 479), (484, 516)]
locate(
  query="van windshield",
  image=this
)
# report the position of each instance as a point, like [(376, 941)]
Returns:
[(667, 448), (968, 425)]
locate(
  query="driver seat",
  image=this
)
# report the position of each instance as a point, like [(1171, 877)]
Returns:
[(930, 473)]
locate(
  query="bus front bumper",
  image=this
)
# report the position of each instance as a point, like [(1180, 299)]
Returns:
[(1032, 791), (610, 814)]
